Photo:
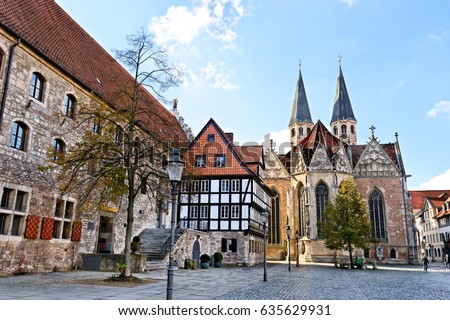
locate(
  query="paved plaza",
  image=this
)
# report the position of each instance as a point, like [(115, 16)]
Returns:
[(308, 282)]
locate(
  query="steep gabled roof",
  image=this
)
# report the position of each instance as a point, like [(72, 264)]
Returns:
[(300, 107), (319, 135), (244, 159), (50, 31), (342, 109)]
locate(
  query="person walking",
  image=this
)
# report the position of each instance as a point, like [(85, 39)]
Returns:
[(447, 262), (425, 263)]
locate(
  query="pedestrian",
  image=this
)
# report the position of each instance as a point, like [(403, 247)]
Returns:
[(425, 263), (447, 262)]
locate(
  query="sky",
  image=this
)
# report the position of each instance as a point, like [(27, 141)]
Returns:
[(240, 60)]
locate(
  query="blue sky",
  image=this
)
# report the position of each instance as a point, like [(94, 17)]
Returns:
[(240, 60)]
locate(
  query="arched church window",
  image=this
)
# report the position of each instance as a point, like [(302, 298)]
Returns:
[(352, 129), (321, 201), (274, 219), (302, 212), (376, 210), (293, 132), (335, 131), (308, 131), (300, 133), (344, 129)]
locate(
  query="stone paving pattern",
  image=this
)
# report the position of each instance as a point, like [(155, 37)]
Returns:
[(308, 282)]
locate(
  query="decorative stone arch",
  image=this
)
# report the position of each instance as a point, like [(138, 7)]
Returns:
[(377, 213), (274, 219)]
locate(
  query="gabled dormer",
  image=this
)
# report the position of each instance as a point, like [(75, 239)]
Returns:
[(275, 169)]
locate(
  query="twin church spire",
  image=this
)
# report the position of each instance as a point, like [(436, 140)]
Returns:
[(343, 121)]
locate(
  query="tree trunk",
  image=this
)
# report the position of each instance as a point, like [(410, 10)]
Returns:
[(351, 256), (130, 220)]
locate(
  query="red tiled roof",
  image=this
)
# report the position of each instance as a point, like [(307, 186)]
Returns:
[(53, 33), (418, 196), (242, 160)]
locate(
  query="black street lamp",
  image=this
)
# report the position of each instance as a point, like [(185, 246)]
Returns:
[(297, 237), (288, 233), (175, 170), (264, 215)]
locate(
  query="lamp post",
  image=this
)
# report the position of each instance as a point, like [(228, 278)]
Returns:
[(264, 215), (175, 170), (297, 237), (288, 233)]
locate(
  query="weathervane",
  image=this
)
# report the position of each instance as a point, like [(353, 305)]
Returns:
[(339, 59)]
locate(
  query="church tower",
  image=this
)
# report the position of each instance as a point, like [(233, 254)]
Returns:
[(301, 123), (343, 121)]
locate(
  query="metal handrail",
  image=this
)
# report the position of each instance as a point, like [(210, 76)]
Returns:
[(166, 241)]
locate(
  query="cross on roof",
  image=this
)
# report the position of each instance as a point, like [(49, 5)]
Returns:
[(373, 129)]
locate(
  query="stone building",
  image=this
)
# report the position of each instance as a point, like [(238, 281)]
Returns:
[(49, 68), (309, 175)]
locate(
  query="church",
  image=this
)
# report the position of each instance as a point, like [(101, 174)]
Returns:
[(304, 179)]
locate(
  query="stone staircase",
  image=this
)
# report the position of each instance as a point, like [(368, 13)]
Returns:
[(156, 246)]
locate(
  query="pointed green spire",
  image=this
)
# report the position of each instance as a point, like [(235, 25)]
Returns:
[(300, 107)]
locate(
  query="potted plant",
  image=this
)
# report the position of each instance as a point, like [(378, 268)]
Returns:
[(136, 244), (218, 257), (205, 259)]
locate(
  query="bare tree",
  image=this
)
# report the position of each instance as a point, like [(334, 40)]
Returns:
[(122, 148)]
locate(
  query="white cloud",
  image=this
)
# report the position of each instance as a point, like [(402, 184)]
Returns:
[(219, 77), (216, 18), (281, 141), (439, 182), (442, 107), (349, 2), (212, 75)]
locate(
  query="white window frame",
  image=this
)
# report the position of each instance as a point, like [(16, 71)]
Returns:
[(203, 212), (235, 185), (235, 212), (193, 212), (225, 186), (224, 212)]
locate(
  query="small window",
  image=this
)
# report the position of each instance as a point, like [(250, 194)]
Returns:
[(205, 186), (7, 198), (62, 226), (335, 131), (96, 127), (211, 138), (118, 136), (37, 86), (193, 214), (225, 186), (69, 106), (224, 212), (219, 160), (19, 135), (195, 186), (344, 129), (21, 201), (1, 62), (300, 132), (293, 132), (235, 212), (352, 129), (235, 185), (203, 212), (308, 131), (200, 161), (58, 149)]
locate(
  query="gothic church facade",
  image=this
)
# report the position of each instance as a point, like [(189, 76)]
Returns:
[(308, 176)]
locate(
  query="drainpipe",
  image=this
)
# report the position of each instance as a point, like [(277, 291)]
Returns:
[(5, 88)]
